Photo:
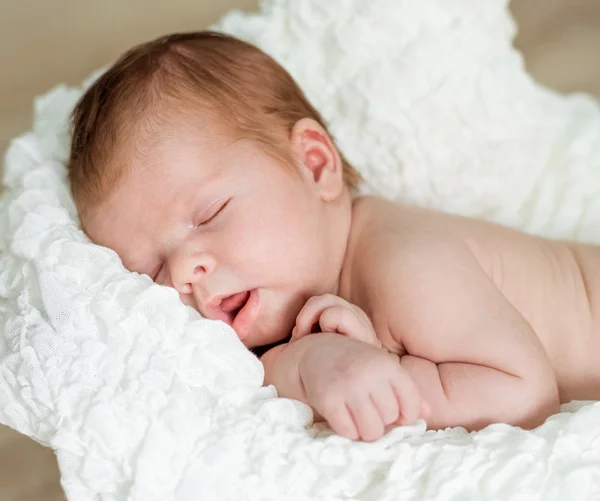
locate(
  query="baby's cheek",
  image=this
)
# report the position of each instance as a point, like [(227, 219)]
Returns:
[(187, 299)]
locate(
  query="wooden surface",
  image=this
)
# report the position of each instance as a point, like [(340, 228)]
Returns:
[(47, 42), (64, 40)]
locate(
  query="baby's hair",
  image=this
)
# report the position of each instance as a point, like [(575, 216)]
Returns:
[(182, 76)]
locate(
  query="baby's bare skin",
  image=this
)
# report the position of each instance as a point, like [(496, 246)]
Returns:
[(484, 324), (249, 217), (488, 324), (554, 285)]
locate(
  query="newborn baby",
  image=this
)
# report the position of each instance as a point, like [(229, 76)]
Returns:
[(200, 162)]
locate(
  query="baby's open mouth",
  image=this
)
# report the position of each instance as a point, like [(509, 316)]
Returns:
[(233, 304), (239, 310)]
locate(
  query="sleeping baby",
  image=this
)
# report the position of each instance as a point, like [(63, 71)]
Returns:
[(198, 159)]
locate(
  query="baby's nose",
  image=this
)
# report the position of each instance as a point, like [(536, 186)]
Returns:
[(188, 270)]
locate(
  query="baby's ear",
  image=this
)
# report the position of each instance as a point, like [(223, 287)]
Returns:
[(318, 158)]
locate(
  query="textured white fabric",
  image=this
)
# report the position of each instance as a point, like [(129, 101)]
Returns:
[(144, 400)]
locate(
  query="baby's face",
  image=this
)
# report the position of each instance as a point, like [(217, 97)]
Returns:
[(240, 236)]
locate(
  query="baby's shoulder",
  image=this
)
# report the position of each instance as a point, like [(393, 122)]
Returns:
[(383, 230), (393, 247), (386, 242), (393, 251)]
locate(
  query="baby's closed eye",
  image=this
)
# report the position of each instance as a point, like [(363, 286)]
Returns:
[(212, 212)]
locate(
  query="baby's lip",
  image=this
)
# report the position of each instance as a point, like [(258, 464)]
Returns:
[(225, 306), (247, 314), (234, 302)]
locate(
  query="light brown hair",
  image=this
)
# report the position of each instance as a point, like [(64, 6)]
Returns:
[(230, 80)]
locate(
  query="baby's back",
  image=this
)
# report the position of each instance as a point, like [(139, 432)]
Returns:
[(554, 285)]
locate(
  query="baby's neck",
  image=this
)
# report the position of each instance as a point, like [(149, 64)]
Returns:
[(344, 285)]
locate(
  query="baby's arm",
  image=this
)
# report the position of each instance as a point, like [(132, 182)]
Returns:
[(474, 357), (281, 365), (358, 388)]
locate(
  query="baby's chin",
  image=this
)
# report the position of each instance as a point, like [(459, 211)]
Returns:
[(263, 336), (275, 321)]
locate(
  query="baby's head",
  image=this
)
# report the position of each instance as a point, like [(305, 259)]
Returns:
[(198, 159)]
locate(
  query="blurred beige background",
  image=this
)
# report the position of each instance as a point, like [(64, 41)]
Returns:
[(44, 43)]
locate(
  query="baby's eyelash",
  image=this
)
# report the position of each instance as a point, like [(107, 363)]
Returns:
[(206, 221)]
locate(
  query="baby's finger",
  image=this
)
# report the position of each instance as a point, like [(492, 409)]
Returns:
[(425, 410), (386, 403), (311, 312), (342, 320), (340, 420), (409, 398), (368, 421)]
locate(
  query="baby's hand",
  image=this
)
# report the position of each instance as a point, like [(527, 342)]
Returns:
[(334, 314), (357, 388)]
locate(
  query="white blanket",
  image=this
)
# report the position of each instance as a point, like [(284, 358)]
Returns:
[(143, 400)]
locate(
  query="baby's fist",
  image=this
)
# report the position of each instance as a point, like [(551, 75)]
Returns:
[(358, 389)]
